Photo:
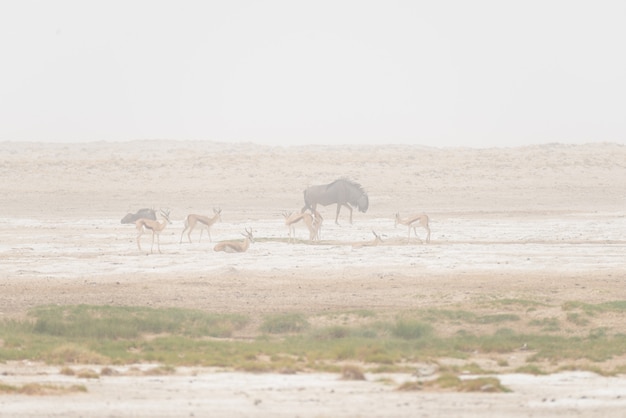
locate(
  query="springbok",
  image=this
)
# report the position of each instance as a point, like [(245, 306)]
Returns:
[(413, 222), (205, 222), (236, 246), (154, 226), (342, 191), (312, 223), (377, 240), (144, 213)]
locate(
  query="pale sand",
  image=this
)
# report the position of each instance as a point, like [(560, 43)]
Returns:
[(542, 222)]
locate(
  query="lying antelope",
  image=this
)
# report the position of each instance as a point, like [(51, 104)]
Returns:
[(313, 224), (236, 246), (413, 222), (205, 222), (377, 240), (154, 226)]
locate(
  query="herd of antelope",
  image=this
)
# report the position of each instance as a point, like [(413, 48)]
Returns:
[(342, 192), (145, 221)]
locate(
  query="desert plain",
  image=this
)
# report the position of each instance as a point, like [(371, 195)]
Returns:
[(545, 223)]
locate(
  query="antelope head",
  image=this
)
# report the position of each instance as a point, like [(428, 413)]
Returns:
[(248, 235), (165, 214)]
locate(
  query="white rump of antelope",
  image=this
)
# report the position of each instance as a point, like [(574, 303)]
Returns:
[(413, 222), (156, 227), (236, 246), (312, 222), (203, 222)]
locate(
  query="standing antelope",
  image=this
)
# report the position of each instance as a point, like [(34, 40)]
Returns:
[(154, 226), (236, 246), (205, 222), (413, 222), (377, 240), (312, 222)]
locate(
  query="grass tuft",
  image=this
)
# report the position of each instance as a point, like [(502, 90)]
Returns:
[(546, 324), (616, 306), (497, 318), (410, 329), (74, 354), (87, 374), (285, 323), (351, 372), (39, 389), (109, 322), (483, 384), (452, 382), (530, 369), (577, 318)]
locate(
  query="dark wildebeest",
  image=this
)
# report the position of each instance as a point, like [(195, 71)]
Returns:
[(342, 191), (144, 213)]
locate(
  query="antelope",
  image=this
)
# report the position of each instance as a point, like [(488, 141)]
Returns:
[(377, 240), (312, 222), (413, 222), (154, 226), (205, 222), (236, 246)]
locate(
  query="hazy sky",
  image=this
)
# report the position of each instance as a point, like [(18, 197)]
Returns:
[(438, 73)]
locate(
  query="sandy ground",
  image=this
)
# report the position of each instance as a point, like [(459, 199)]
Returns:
[(543, 223)]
